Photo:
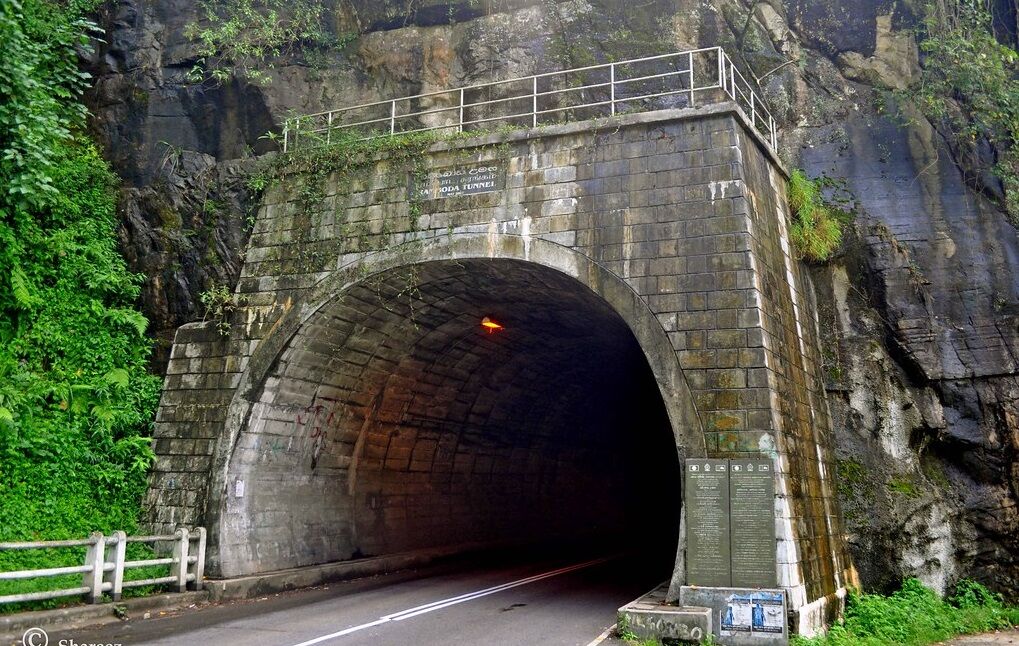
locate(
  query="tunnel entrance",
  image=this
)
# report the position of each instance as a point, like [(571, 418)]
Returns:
[(395, 420)]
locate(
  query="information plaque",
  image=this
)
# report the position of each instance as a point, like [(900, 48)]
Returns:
[(752, 523), (707, 522), (452, 181)]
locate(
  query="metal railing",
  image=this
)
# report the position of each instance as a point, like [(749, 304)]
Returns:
[(682, 79), (106, 562)]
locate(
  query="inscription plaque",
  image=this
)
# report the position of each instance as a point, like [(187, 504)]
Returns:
[(706, 495), (752, 522), (452, 181)]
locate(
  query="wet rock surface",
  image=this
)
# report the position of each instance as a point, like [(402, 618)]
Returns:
[(920, 313)]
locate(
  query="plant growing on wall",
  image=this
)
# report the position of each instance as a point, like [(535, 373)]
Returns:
[(817, 221), (237, 38), (970, 82)]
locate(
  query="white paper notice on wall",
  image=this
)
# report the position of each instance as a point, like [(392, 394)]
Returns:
[(239, 489)]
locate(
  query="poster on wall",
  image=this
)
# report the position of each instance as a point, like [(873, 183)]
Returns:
[(753, 612)]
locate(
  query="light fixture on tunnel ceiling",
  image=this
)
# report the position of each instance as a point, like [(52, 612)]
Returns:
[(490, 325)]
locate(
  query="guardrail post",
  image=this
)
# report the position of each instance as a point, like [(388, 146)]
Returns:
[(329, 127), (461, 128), (721, 68), (197, 584), (392, 118), (612, 86), (117, 556), (690, 60), (534, 102), (286, 134), (180, 556), (95, 557)]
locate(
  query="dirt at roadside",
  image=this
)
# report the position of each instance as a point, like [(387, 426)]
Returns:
[(997, 638)]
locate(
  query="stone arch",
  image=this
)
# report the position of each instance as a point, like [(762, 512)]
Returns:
[(256, 400)]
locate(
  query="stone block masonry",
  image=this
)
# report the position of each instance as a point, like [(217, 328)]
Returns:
[(343, 413)]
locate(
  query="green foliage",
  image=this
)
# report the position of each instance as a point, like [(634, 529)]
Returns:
[(219, 303), (236, 38), (817, 221), (903, 486), (37, 79), (971, 82), (916, 615), (75, 398)]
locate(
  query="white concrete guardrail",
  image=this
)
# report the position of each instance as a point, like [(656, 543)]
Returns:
[(680, 79), (105, 563)]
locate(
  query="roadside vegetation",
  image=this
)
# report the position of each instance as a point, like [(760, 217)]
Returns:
[(76, 401), (916, 615)]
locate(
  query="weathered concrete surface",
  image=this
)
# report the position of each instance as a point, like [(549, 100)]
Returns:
[(356, 407), (650, 617), (13, 626), (716, 600)]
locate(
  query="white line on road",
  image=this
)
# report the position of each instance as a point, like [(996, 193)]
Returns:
[(452, 601), (602, 637)]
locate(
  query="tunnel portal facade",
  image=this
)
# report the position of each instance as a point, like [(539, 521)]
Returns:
[(647, 308)]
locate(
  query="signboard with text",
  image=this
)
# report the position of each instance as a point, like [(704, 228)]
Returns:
[(452, 181), (730, 520)]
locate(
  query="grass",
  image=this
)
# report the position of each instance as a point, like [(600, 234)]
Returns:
[(916, 615), (61, 557), (817, 223)]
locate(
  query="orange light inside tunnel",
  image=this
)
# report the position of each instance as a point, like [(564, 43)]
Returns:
[(490, 325)]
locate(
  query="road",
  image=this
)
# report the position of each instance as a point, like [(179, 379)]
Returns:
[(559, 601)]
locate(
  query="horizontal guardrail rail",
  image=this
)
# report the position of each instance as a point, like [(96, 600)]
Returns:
[(682, 79), (105, 563)]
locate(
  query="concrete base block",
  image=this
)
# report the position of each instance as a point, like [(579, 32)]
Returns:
[(649, 617), (743, 616)]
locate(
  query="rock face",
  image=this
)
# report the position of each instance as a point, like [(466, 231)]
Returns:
[(920, 312)]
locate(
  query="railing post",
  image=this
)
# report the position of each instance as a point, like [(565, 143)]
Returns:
[(612, 87), (95, 557), (297, 130), (690, 60), (392, 118), (180, 555), (461, 129), (286, 134), (534, 102), (721, 68), (117, 556), (732, 79), (774, 135), (199, 560), (329, 127), (753, 108)]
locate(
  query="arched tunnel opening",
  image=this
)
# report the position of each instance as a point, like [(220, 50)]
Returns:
[(396, 421)]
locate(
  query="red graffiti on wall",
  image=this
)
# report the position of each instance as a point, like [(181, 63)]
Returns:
[(322, 415)]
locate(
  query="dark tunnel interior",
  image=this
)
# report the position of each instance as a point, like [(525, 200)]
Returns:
[(407, 424)]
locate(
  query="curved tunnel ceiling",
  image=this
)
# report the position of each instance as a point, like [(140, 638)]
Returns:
[(409, 425)]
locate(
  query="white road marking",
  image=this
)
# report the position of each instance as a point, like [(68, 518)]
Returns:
[(452, 601), (602, 637)]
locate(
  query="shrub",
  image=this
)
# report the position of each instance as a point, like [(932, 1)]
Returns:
[(817, 222)]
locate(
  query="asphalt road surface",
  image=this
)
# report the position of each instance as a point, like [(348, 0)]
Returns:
[(507, 602)]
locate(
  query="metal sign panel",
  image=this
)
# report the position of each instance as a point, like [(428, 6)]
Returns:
[(752, 523), (452, 181), (706, 495)]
